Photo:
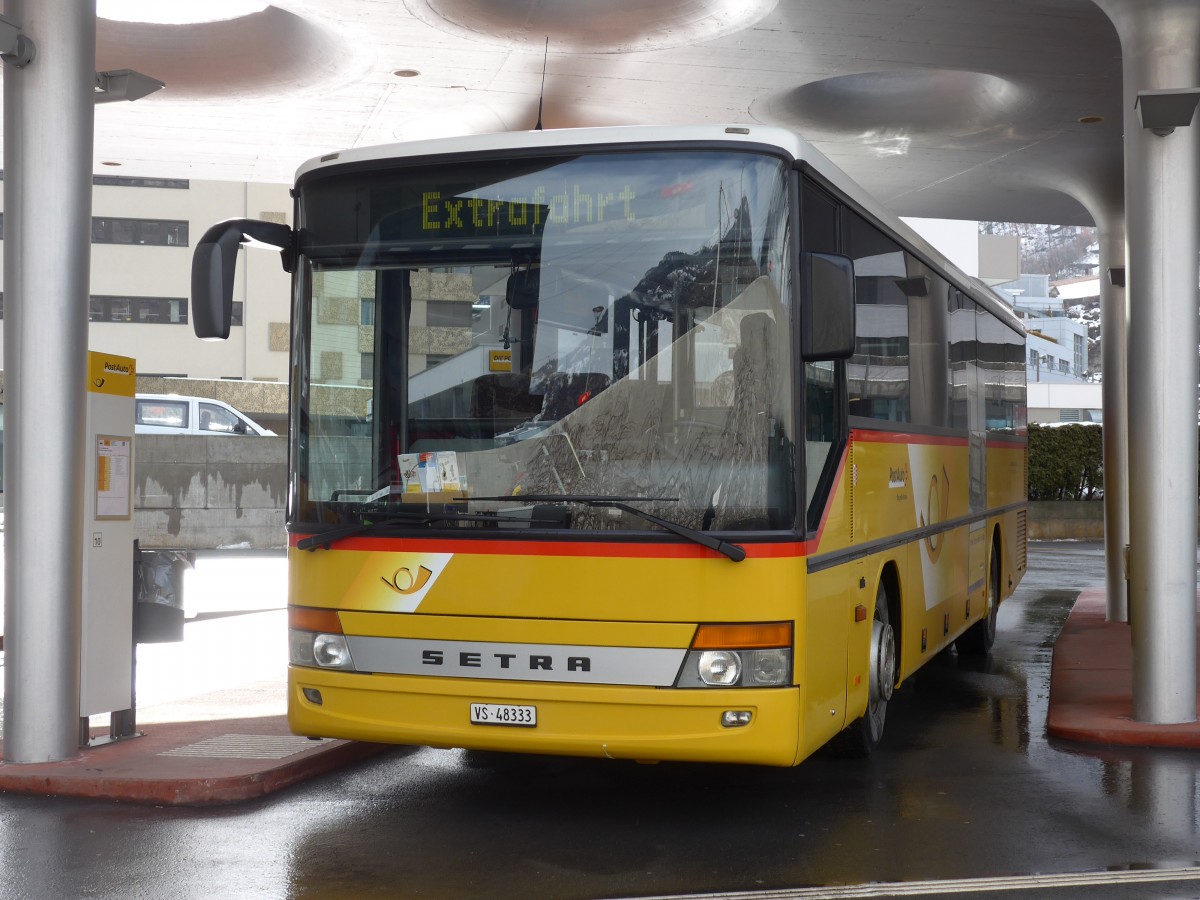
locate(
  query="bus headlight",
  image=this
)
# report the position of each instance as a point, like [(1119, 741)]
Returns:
[(743, 655), (721, 667), (769, 667), (315, 639), (330, 651), (324, 651)]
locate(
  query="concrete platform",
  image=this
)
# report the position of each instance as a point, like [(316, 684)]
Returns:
[(212, 707), (202, 751), (1091, 684)]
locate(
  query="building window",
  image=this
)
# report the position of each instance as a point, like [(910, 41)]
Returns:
[(135, 181), (145, 232), (128, 181), (139, 310), (143, 310), (366, 312), (366, 370)]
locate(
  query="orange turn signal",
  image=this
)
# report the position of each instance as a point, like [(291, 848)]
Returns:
[(306, 618), (743, 636)]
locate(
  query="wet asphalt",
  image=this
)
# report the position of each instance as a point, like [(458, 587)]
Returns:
[(966, 785)]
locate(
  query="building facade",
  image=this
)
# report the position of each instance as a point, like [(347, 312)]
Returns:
[(1061, 386), (143, 233)]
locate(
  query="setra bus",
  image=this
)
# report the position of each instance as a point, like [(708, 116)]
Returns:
[(656, 443)]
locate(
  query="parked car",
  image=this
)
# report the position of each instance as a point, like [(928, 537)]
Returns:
[(177, 414)]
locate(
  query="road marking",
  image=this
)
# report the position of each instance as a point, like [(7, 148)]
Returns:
[(245, 746)]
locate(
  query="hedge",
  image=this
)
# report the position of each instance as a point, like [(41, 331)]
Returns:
[(1066, 462)]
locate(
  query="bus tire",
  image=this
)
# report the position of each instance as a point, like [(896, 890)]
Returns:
[(864, 734), (978, 639)]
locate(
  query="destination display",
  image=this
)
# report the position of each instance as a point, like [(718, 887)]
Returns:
[(521, 199), (454, 215)]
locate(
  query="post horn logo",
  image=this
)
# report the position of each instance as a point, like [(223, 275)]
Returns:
[(938, 510), (403, 581)]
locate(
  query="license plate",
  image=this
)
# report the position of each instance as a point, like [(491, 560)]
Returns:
[(503, 714)]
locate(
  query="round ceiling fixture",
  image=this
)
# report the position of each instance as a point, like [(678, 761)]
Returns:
[(1090, 120), (912, 101), (586, 26), (177, 12), (264, 54)]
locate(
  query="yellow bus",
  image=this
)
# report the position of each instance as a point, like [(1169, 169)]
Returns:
[(659, 443)]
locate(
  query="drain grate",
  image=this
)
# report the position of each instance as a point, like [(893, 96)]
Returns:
[(245, 746)]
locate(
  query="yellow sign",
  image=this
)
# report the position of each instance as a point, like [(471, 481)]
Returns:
[(108, 374), (499, 360)]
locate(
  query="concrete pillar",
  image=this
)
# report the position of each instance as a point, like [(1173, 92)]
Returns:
[(48, 126), (1160, 43)]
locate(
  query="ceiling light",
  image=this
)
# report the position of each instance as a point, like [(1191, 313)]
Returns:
[(406, 73), (178, 12), (1090, 120)]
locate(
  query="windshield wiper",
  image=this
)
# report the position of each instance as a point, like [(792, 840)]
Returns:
[(600, 501), (383, 520)]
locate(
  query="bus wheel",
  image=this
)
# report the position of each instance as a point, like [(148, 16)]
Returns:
[(978, 639), (864, 734)]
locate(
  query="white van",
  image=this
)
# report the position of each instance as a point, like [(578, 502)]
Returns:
[(176, 414)]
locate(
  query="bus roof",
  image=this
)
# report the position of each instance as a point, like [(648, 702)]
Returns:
[(781, 139)]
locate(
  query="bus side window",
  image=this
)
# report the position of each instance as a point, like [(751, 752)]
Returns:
[(824, 429), (879, 370), (821, 432)]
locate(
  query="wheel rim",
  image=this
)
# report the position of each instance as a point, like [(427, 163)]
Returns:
[(993, 596), (883, 662)]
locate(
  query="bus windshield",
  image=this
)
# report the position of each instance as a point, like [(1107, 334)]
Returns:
[(510, 343)]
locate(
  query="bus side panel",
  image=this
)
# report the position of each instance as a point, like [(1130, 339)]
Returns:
[(906, 485), (1006, 463), (834, 654), (935, 597)]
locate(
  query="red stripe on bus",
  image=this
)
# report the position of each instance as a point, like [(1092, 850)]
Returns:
[(485, 547)]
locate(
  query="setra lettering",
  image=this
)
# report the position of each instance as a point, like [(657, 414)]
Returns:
[(535, 662)]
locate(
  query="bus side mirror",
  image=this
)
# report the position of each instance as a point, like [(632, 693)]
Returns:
[(827, 321), (214, 262)]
